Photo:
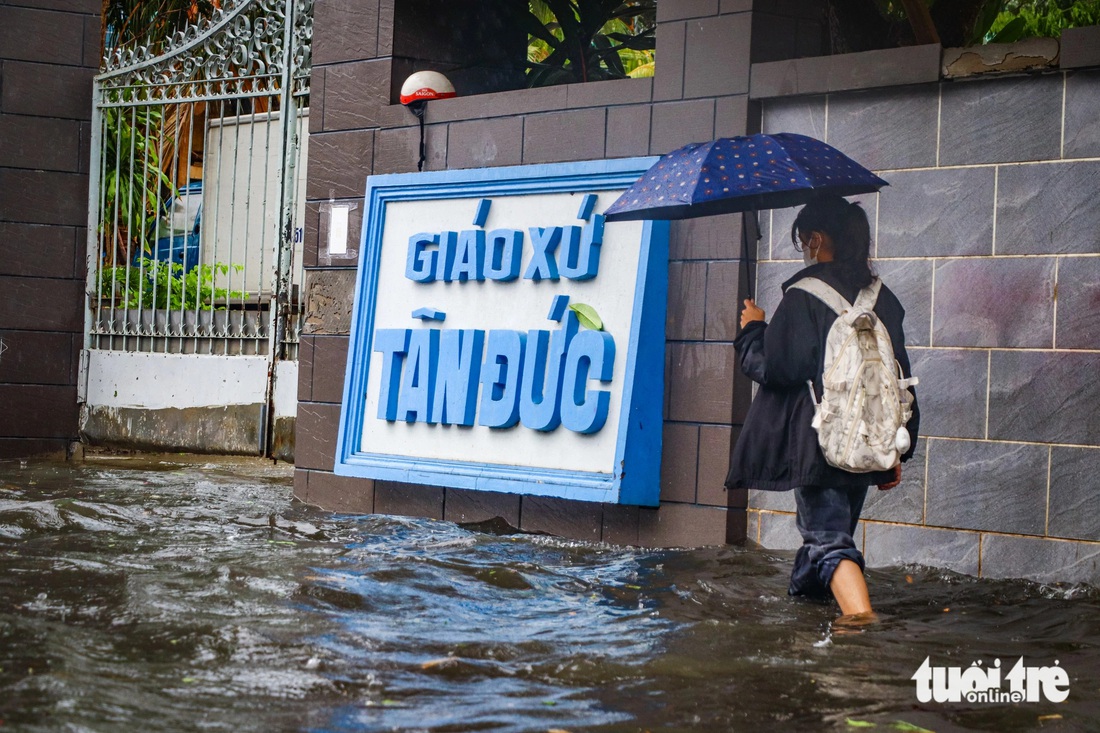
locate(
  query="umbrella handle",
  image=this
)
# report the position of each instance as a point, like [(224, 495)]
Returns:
[(748, 261)]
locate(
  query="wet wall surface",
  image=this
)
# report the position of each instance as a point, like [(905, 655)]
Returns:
[(179, 594)]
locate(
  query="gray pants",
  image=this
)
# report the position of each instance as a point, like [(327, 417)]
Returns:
[(827, 519)]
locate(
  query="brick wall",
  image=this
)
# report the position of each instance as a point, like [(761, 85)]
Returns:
[(990, 235), (49, 51), (699, 92)]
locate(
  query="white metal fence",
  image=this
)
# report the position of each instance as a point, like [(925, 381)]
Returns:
[(196, 197)]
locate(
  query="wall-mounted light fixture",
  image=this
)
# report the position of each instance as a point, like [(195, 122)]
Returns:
[(417, 91)]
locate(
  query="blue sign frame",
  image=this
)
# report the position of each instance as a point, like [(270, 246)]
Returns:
[(639, 428)]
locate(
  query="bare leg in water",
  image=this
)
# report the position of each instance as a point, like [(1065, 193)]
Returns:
[(850, 590)]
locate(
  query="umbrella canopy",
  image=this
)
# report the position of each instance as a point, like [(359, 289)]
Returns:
[(748, 173)]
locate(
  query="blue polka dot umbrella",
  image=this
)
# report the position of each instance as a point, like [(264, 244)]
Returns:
[(749, 173)]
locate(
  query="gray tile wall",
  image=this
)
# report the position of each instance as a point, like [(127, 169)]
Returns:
[(990, 236), (48, 55), (355, 132)]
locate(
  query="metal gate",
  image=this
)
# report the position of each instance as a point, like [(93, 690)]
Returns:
[(195, 232)]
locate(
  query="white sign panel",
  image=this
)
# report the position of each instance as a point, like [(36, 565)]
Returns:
[(506, 337)]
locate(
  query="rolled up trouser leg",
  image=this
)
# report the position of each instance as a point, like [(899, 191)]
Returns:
[(827, 518)]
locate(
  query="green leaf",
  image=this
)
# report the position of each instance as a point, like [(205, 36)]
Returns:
[(859, 723), (1012, 32), (587, 316), (902, 725)]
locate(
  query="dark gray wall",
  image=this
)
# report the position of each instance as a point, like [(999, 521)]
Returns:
[(700, 91), (49, 51), (987, 233), (990, 235)]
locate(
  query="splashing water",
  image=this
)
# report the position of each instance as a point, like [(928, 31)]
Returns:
[(162, 594)]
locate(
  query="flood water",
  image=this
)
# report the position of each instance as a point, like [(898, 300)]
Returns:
[(173, 594)]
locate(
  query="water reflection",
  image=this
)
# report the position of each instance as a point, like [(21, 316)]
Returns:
[(158, 594)]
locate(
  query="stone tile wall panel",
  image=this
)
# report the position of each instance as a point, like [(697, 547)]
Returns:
[(339, 163), (994, 302), (668, 76), (329, 362), (1041, 560), (606, 93), (676, 124), (23, 362), (687, 297), (305, 368), (44, 304), (952, 391), (911, 282), (679, 461), (723, 308), (1074, 493), (886, 129), (44, 144), (801, 115), (350, 31), (355, 94), (397, 150), (714, 462), (574, 519), (926, 219), (706, 238), (1048, 208), (22, 247), (335, 493), (410, 500), (1004, 106), (628, 131), (682, 525), (315, 435), (482, 143), (716, 56), (731, 116), (904, 502), (38, 35), (561, 136), (680, 9), (47, 90), (44, 410), (43, 197), (1082, 121), (701, 382), (1078, 320), (937, 213), (778, 531), (780, 501), (464, 507), (998, 487), (899, 544), (1045, 396)]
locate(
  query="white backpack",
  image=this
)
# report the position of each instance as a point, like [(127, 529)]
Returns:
[(860, 420)]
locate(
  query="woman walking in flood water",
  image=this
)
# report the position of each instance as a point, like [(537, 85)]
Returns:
[(778, 447)]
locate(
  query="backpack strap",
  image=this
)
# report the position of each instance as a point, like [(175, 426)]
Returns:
[(824, 292), (865, 301)]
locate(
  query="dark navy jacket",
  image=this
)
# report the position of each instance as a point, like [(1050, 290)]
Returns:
[(778, 449)]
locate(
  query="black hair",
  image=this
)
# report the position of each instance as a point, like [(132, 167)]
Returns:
[(846, 224)]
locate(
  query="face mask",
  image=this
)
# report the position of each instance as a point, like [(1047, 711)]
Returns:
[(809, 259)]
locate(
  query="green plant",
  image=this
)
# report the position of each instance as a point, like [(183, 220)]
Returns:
[(1040, 18), (164, 284), (151, 22), (589, 40), (132, 178)]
